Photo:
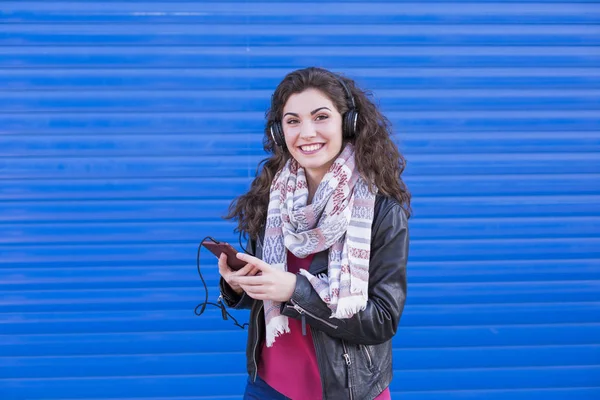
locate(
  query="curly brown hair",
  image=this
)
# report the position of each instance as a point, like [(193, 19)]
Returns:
[(377, 157)]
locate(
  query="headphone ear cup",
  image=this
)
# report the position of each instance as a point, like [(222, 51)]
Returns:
[(277, 134), (349, 127)]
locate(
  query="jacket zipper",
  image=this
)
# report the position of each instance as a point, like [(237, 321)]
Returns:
[(256, 344), (368, 355), (346, 356), (302, 311), (316, 343)]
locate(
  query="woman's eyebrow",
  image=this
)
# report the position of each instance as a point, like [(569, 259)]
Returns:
[(313, 112)]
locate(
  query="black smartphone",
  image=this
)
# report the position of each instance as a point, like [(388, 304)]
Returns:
[(217, 248)]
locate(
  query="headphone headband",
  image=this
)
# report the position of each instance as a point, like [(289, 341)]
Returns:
[(351, 104)]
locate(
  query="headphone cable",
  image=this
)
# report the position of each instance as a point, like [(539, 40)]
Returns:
[(219, 304)]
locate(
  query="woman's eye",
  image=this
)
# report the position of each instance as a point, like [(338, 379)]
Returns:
[(292, 121), (322, 117)]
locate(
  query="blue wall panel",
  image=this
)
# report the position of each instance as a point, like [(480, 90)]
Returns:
[(126, 127)]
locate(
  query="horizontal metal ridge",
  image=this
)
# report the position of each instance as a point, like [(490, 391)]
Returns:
[(190, 384), (233, 362), (247, 101), (286, 35)]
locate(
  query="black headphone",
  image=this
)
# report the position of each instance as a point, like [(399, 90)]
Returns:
[(349, 119)]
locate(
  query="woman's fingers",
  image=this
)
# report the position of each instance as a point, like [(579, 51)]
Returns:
[(257, 262), (224, 269), (245, 270), (257, 293), (256, 280), (254, 271)]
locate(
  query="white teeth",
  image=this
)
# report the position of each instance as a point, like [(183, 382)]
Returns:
[(312, 147)]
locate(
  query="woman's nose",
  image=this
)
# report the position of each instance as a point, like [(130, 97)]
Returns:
[(308, 130)]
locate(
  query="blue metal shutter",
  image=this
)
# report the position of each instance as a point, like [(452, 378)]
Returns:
[(126, 127)]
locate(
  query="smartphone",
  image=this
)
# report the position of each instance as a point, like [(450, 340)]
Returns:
[(217, 248)]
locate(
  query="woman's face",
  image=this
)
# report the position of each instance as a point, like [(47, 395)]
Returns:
[(312, 127)]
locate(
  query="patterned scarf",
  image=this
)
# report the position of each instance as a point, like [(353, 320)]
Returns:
[(338, 219)]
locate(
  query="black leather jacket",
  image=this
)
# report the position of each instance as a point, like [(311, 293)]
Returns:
[(354, 355)]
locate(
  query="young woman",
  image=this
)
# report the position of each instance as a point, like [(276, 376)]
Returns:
[(327, 222)]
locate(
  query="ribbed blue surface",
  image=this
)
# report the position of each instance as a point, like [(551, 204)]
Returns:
[(126, 127)]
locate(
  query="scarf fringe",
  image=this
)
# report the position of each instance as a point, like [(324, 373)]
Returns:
[(348, 306), (277, 326)]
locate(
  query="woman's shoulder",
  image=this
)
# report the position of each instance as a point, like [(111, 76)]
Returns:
[(386, 204), (389, 209)]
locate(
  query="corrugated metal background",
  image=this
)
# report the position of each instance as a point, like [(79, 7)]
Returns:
[(126, 127)]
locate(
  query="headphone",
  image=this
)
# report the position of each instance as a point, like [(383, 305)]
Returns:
[(349, 119)]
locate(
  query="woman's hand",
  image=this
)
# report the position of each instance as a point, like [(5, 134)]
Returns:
[(270, 284), (228, 274)]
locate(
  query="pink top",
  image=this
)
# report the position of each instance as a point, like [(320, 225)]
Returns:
[(291, 362)]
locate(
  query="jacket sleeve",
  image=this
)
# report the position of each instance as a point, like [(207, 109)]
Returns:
[(387, 289), (231, 298)]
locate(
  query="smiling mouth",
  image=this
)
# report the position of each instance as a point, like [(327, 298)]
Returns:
[(311, 148)]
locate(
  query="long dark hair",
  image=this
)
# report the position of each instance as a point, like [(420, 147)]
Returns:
[(377, 157)]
